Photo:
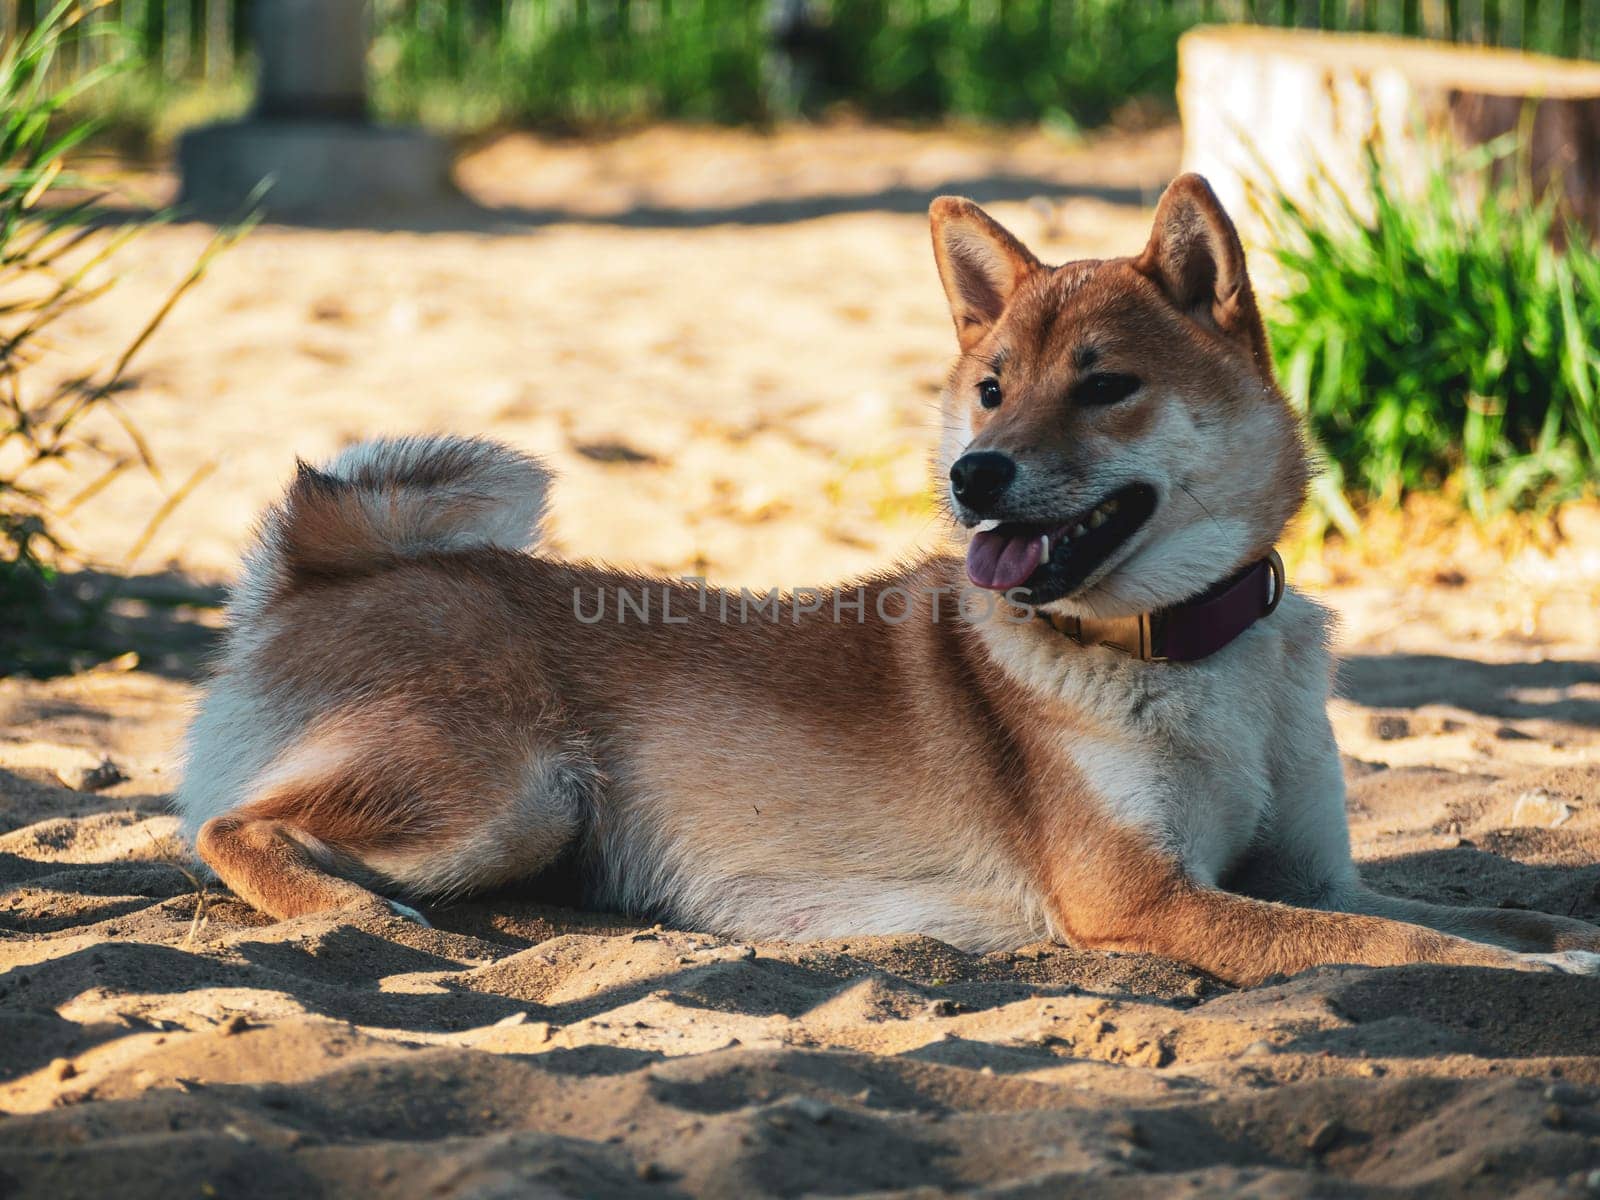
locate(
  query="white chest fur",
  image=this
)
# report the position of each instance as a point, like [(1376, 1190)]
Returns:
[(1189, 753)]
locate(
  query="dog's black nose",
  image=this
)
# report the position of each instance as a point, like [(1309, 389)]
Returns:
[(979, 478)]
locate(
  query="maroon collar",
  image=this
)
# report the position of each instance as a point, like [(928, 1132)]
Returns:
[(1192, 630)]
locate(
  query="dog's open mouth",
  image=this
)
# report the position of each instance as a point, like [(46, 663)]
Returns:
[(1052, 559)]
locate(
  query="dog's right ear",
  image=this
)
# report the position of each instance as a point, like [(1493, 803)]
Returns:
[(980, 264)]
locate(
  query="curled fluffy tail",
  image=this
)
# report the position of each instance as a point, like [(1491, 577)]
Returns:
[(390, 499)]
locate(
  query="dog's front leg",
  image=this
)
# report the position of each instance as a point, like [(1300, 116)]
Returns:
[(1515, 928), (1117, 891), (1303, 857)]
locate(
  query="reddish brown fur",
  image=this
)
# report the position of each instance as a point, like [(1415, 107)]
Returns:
[(424, 684), (1151, 315), (266, 866), (1107, 889)]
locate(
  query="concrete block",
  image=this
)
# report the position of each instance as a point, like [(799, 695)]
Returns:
[(320, 169)]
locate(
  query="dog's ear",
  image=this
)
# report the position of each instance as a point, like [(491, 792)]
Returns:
[(1195, 257), (980, 264)]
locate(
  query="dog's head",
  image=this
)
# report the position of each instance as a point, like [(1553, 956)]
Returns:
[(1114, 438)]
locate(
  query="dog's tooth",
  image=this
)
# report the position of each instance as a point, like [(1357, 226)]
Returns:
[(1110, 506), (991, 524), (1077, 531), (1044, 548), (1096, 519)]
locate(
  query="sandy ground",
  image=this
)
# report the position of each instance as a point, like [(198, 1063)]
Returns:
[(729, 346)]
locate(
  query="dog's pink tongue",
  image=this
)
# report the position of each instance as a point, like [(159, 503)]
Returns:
[(1001, 561)]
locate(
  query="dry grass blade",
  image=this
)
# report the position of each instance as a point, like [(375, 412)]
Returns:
[(201, 473), (202, 890), (94, 487), (55, 259)]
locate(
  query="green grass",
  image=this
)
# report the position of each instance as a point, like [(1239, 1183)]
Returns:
[(455, 72), (40, 282), (1066, 63), (474, 65), (139, 114), (1440, 341)]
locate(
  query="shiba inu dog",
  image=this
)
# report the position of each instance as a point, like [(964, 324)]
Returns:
[(1107, 726)]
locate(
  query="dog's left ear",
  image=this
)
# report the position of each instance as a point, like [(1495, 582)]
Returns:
[(1195, 257), (980, 264)]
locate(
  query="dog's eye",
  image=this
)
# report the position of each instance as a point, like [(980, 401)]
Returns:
[(989, 393), (1104, 387)]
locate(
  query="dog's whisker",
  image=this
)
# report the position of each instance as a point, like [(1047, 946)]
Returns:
[(1188, 491)]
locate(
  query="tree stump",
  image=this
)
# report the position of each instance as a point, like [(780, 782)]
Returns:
[(1263, 105)]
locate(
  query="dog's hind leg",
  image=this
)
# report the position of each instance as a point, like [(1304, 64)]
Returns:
[(273, 868), (331, 830)]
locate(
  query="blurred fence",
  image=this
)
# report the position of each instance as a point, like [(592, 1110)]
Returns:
[(605, 59)]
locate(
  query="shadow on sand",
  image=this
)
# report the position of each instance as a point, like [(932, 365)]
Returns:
[(1554, 690), (169, 621), (464, 215)]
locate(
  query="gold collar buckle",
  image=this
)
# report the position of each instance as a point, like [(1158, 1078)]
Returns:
[(1133, 636)]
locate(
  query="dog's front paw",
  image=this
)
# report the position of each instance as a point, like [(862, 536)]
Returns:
[(1567, 962)]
